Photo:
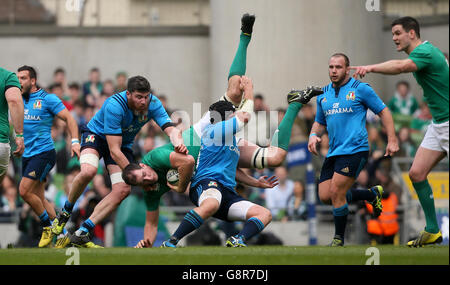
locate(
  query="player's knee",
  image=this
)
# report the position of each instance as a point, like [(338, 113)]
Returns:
[(278, 159), (122, 191), (23, 191), (87, 174), (267, 216), (416, 175), (209, 206)]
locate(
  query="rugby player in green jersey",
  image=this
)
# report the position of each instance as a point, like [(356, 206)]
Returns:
[(10, 99), (430, 69)]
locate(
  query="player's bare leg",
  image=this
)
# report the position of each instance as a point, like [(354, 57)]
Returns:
[(89, 159), (424, 161), (28, 191)]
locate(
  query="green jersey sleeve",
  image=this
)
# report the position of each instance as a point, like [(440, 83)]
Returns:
[(159, 158), (421, 56), (152, 199), (12, 81)]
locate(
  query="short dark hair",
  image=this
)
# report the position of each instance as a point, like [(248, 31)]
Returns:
[(59, 70), (31, 71), (55, 85), (259, 96), (340, 54), (402, 82), (138, 83), (127, 176), (74, 85), (408, 23), (95, 69), (221, 107)]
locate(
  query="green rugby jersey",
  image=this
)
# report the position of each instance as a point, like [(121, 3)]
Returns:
[(432, 76), (159, 160), (7, 79)]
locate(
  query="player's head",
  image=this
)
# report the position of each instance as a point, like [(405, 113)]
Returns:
[(338, 68), (138, 93), (404, 31), (27, 78), (221, 111), (139, 175)]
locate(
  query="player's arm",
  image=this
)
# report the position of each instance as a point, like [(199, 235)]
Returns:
[(15, 104), (314, 138), (262, 182), (114, 144), (185, 166), (150, 229), (391, 67), (73, 130), (176, 139), (388, 122)]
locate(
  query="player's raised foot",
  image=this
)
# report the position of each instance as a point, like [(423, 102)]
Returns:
[(376, 203), (82, 240), (63, 241), (168, 243), (303, 96), (425, 238), (247, 22), (337, 241), (235, 241), (46, 237), (60, 222)]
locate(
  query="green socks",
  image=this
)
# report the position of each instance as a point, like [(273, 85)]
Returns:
[(239, 64), (282, 135), (425, 194)]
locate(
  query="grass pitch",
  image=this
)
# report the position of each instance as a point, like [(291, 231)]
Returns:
[(255, 255)]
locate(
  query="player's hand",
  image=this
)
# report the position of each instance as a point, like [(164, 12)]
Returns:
[(20, 147), (312, 144), (391, 148), (246, 85), (361, 71), (76, 150), (143, 244), (181, 148), (263, 182)]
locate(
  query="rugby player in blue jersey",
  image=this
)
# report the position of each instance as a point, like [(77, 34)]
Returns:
[(40, 109), (110, 135), (212, 187), (341, 110)]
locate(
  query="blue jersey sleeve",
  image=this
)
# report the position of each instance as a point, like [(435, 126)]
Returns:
[(370, 99), (158, 113), (320, 117), (114, 114), (54, 104)]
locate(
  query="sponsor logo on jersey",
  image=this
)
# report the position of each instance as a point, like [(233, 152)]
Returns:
[(32, 174), (212, 184), (345, 170), (324, 99), (37, 104), (350, 96), (90, 138)]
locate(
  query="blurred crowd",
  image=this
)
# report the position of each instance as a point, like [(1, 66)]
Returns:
[(286, 201)]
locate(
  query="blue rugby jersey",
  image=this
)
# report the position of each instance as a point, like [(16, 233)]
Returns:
[(39, 111), (344, 115), (116, 118), (219, 154)]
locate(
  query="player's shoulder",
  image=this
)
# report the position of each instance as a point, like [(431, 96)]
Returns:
[(117, 102), (360, 85), (326, 89)]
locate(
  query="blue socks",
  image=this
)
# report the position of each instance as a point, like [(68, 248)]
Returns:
[(191, 222), (252, 227), (86, 227), (68, 207), (360, 195), (340, 220), (45, 220)]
